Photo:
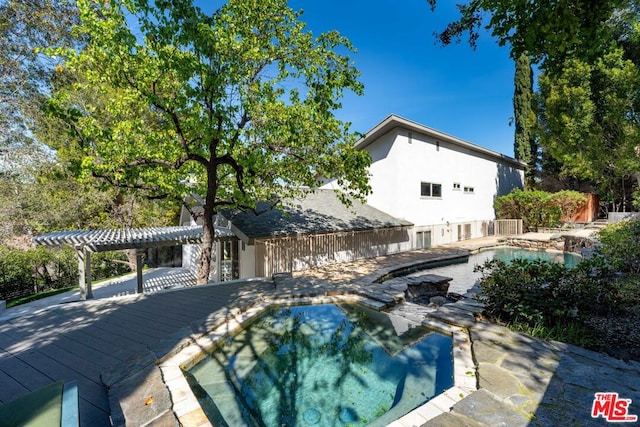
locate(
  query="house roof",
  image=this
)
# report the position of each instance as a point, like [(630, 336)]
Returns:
[(393, 121), (319, 212), (135, 238)]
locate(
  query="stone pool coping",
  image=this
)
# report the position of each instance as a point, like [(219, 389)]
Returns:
[(186, 407)]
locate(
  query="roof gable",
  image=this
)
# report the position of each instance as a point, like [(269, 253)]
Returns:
[(393, 121)]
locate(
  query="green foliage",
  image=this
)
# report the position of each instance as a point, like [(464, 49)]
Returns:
[(621, 246), (538, 208), (589, 120), (531, 292), (25, 74), (549, 32), (525, 144), (534, 207), (37, 296), (109, 264), (569, 331), (569, 202), (237, 106), (544, 298), (39, 269), (50, 199)]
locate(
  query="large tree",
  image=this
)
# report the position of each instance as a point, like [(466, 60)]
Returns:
[(25, 74), (590, 121), (237, 105), (549, 31)]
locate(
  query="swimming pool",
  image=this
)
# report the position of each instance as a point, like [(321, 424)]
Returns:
[(323, 365), (464, 277)]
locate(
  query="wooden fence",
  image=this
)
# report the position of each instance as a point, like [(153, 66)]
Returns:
[(295, 253)]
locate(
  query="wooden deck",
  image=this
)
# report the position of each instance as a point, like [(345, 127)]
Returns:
[(79, 341)]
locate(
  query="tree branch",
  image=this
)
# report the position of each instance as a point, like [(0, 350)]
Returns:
[(146, 188)]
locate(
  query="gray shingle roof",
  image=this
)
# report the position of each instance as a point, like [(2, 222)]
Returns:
[(319, 212)]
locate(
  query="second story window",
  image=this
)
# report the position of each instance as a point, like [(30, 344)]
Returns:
[(428, 189)]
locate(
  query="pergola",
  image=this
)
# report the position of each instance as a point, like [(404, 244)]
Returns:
[(86, 242)]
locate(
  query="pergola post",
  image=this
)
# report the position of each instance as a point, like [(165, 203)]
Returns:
[(139, 256), (84, 273)]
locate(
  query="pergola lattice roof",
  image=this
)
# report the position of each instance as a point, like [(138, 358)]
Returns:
[(87, 241), (134, 238)]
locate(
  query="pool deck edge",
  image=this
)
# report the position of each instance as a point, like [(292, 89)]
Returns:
[(187, 410)]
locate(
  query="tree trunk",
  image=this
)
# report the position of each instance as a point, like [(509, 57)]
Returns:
[(131, 258), (207, 244), (208, 233)]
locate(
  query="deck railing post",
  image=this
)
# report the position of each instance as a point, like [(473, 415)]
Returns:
[(84, 273), (139, 258)]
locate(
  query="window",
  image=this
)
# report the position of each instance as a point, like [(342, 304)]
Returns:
[(469, 190), (456, 186), (428, 189)]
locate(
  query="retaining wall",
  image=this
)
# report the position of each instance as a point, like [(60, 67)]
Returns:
[(559, 243)]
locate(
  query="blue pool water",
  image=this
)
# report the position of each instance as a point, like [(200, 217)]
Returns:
[(323, 365), (464, 277)]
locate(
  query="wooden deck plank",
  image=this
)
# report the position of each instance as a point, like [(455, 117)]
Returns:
[(93, 391), (123, 328), (111, 333), (10, 388), (91, 415), (64, 341), (153, 318), (179, 307), (27, 375), (175, 311), (80, 341), (137, 328), (95, 339), (81, 364)]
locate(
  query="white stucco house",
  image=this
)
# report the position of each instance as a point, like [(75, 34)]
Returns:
[(428, 188), (445, 186)]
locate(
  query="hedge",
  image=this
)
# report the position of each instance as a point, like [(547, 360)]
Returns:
[(538, 209)]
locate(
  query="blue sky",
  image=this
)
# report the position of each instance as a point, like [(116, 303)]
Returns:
[(454, 89)]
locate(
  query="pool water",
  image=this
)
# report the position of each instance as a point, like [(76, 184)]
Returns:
[(323, 365), (464, 277)]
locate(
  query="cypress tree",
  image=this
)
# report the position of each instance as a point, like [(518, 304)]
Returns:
[(525, 146)]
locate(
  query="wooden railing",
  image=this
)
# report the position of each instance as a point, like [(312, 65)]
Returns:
[(507, 227)]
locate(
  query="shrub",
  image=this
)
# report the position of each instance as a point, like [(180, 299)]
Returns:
[(621, 246), (40, 269), (552, 301), (535, 208), (539, 208), (569, 202), (528, 291)]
